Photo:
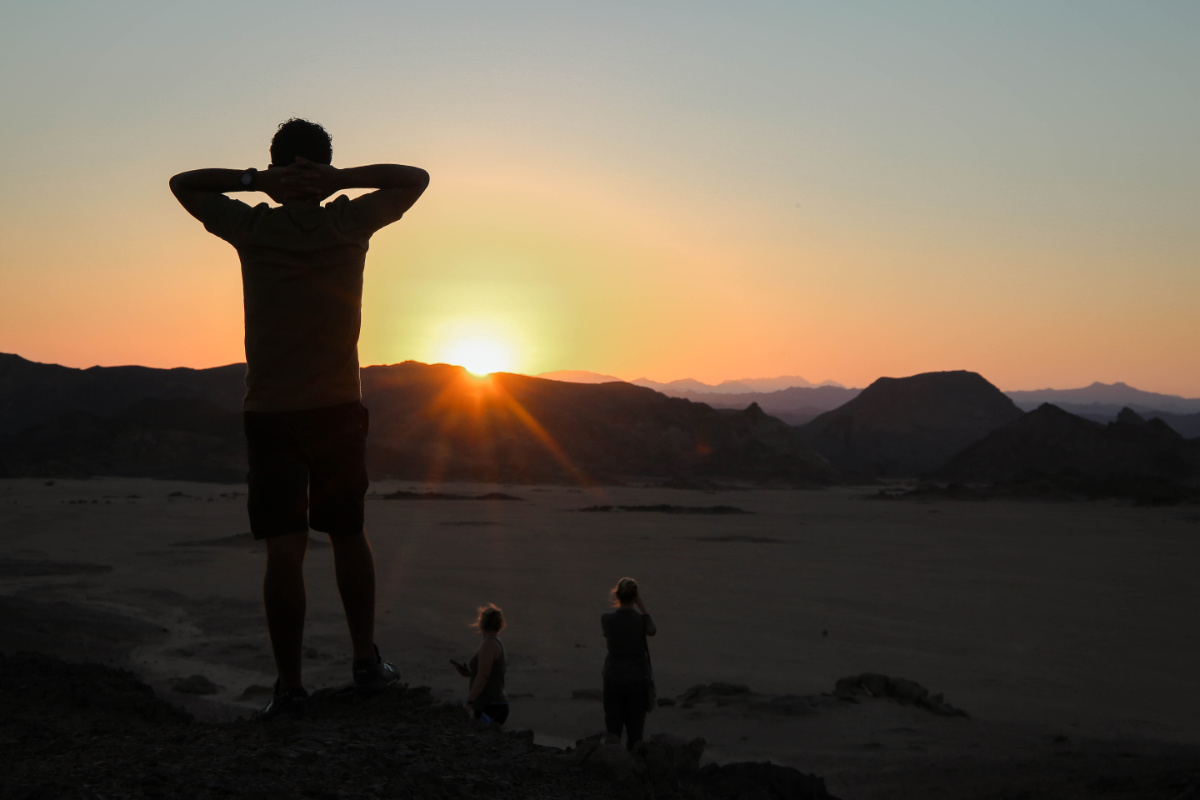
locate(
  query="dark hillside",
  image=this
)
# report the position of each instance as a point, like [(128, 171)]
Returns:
[(427, 422), (1052, 444), (796, 405), (904, 427), (440, 422), (32, 393)]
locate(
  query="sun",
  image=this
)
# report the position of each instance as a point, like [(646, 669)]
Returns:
[(479, 355)]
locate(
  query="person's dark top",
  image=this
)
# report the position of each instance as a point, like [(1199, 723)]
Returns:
[(493, 690), (626, 630)]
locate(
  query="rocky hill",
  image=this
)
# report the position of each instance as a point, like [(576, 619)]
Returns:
[(1186, 425), (797, 405), (33, 394), (1100, 395), (439, 421), (86, 730), (427, 422), (1056, 448), (904, 427)]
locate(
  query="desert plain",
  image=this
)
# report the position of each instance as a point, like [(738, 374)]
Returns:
[(1067, 631)]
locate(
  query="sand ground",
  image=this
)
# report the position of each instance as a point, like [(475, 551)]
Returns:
[(1066, 630)]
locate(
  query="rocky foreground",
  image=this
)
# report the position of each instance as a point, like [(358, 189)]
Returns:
[(90, 731)]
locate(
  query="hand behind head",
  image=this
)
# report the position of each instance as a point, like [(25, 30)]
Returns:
[(301, 181)]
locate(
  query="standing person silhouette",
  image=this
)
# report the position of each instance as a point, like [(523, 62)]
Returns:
[(486, 699), (302, 277), (627, 666)]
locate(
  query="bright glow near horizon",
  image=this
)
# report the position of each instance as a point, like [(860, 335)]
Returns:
[(479, 356), (482, 344), (835, 190)]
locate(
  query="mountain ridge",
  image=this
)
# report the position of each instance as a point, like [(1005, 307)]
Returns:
[(428, 422), (904, 427), (1119, 395), (1054, 448), (799, 405), (438, 422)]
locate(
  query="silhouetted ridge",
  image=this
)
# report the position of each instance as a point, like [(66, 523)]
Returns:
[(899, 427), (1051, 444), (1100, 397), (796, 405), (428, 422), (33, 394), (438, 422)]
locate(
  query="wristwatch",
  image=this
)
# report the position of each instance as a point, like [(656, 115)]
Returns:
[(248, 178)]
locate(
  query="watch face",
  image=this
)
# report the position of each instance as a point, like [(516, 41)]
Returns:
[(247, 177)]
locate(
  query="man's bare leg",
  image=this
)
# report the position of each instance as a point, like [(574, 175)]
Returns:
[(355, 567), (283, 596)]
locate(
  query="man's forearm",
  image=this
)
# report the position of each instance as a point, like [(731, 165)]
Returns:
[(301, 181), (211, 180), (381, 176)]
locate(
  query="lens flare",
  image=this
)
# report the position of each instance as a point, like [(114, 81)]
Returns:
[(479, 355)]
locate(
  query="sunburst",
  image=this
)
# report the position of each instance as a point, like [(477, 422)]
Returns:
[(480, 355)]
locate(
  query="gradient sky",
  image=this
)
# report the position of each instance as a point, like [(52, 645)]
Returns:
[(661, 189)]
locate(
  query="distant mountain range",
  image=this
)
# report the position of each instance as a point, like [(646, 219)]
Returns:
[(800, 401), (788, 397), (1102, 402), (742, 386), (427, 422), (437, 422), (1055, 450), (1106, 395), (900, 427), (690, 386)]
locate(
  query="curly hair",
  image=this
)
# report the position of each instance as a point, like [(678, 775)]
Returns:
[(491, 619), (626, 591), (299, 137)]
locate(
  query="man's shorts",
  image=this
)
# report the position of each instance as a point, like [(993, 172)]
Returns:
[(307, 468)]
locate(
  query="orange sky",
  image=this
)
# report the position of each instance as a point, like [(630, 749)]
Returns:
[(670, 191)]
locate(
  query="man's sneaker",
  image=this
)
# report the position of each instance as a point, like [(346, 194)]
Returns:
[(373, 674), (286, 703)]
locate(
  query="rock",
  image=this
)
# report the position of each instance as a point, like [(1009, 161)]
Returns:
[(942, 708), (900, 689), (610, 761), (583, 749), (761, 781), (670, 758), (712, 691), (788, 705), (112, 736), (907, 691), (870, 683), (255, 691), (194, 684)]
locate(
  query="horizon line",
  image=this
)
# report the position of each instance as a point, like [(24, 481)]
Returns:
[(812, 385)]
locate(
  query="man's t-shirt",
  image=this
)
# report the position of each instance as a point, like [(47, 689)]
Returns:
[(302, 279)]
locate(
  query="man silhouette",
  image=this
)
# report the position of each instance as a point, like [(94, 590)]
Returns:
[(302, 271)]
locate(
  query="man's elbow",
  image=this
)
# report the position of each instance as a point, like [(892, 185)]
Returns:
[(178, 187)]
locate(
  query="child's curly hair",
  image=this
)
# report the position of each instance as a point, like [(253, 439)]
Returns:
[(491, 619)]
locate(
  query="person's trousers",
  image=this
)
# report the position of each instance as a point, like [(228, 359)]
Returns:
[(625, 707)]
